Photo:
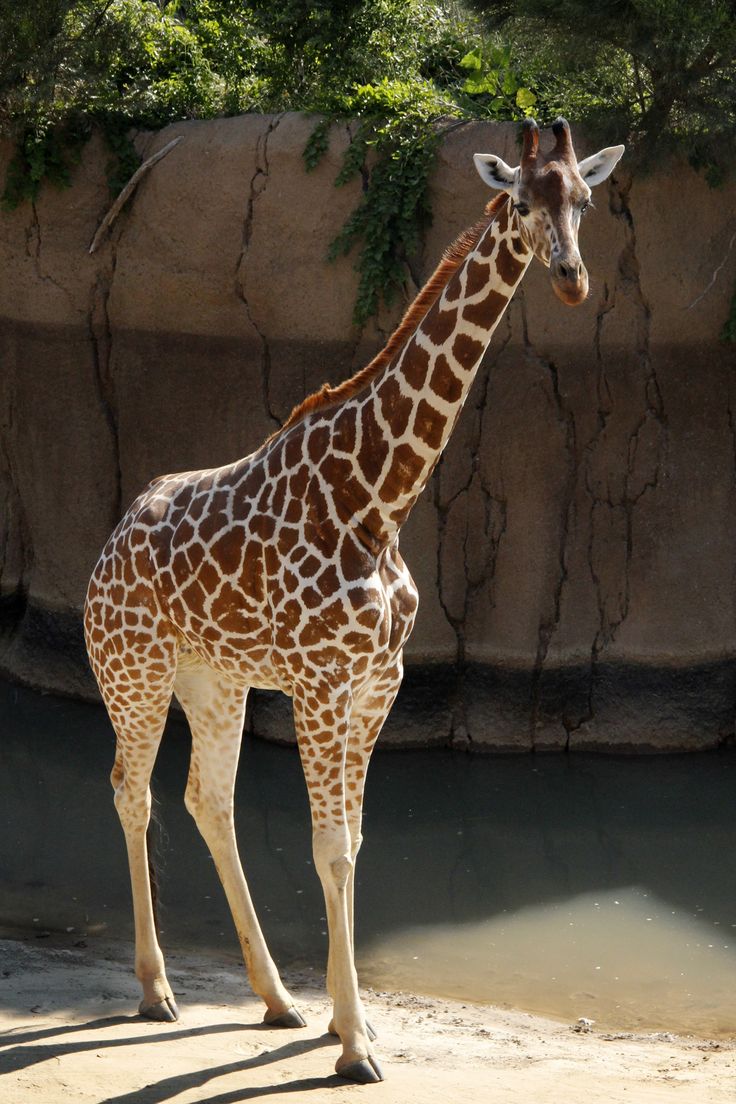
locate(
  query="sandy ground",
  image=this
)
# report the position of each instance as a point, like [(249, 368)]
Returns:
[(68, 1033)]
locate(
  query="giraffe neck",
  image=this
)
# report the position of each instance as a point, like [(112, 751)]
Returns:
[(404, 419)]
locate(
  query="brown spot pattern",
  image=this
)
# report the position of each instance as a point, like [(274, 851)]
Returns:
[(478, 277), (429, 424), (373, 445), (466, 350), (509, 268), (414, 366), (487, 311), (396, 407), (444, 382)]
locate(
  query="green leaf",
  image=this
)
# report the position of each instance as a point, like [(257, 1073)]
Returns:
[(525, 99), (472, 60), (477, 85), (317, 144), (500, 56), (510, 83)]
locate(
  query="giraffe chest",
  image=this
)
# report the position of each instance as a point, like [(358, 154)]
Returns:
[(271, 608), (344, 624)]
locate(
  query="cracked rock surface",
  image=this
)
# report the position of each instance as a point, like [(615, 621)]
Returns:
[(575, 548)]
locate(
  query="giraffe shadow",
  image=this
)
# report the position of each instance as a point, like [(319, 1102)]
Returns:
[(178, 1085), (170, 1087), (24, 1050), (20, 1037)]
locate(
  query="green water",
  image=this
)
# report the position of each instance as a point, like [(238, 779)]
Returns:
[(568, 885)]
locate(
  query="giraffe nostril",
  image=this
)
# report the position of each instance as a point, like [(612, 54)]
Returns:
[(569, 270)]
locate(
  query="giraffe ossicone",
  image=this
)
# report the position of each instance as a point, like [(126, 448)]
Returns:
[(282, 571)]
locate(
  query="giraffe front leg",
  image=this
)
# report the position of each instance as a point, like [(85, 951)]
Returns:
[(367, 718), (335, 868), (322, 722), (356, 839)]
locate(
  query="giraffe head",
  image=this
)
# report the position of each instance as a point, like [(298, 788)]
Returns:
[(549, 193)]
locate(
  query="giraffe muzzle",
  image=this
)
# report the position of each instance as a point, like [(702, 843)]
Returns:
[(569, 280)]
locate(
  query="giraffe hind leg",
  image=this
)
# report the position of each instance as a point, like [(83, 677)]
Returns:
[(215, 709), (116, 779), (135, 673), (131, 777)]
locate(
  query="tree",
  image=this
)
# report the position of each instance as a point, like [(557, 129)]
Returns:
[(663, 69), (68, 65)]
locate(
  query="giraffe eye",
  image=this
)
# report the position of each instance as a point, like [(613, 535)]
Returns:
[(522, 208), (584, 206)]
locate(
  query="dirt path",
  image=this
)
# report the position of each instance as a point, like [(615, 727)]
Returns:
[(67, 1033)]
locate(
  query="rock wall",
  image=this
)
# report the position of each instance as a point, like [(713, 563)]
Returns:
[(575, 549)]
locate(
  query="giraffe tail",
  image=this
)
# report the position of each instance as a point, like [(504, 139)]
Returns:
[(154, 834)]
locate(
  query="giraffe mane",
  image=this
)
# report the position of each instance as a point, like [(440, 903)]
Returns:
[(454, 255)]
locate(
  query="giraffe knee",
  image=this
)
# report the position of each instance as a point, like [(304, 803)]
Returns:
[(332, 849), (356, 845), (133, 808), (212, 811), (340, 870), (116, 775), (192, 801), (206, 809)]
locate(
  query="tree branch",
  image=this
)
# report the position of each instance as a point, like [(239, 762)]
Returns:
[(128, 190), (714, 277)]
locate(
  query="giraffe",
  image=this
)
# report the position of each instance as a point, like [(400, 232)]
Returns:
[(282, 571)]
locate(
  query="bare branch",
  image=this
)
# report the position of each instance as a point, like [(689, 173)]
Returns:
[(128, 190), (714, 277)]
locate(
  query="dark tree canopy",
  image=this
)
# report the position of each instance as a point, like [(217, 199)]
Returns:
[(662, 69)]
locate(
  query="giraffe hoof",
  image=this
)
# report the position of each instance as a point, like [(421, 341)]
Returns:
[(366, 1072), (164, 1011), (290, 1018), (369, 1030)]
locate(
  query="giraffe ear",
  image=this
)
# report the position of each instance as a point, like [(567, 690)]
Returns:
[(598, 167), (495, 172)]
